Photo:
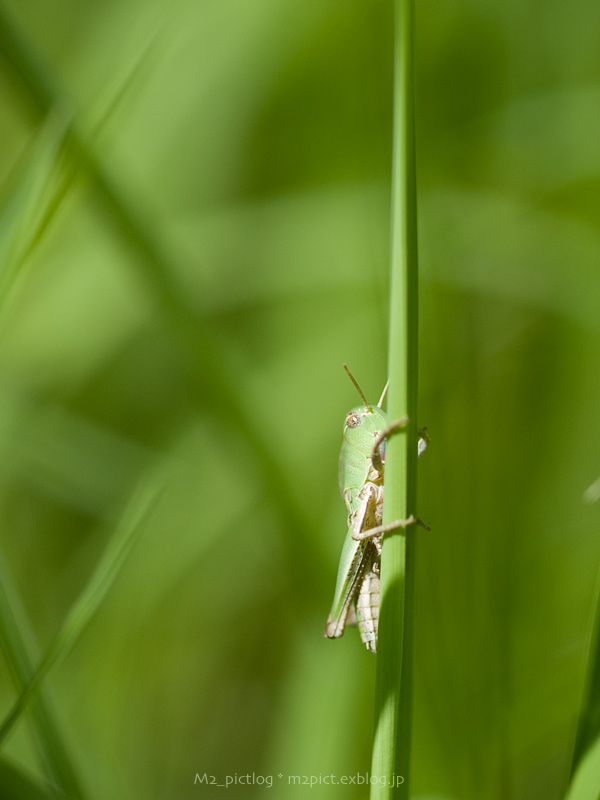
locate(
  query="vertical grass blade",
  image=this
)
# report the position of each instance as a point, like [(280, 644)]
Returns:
[(586, 780), (588, 728), (391, 749)]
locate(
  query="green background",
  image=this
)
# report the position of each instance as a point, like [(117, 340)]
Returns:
[(191, 321)]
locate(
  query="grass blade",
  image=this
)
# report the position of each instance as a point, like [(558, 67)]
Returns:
[(25, 210), (586, 781), (14, 639), (215, 384), (16, 785), (391, 750), (588, 729), (89, 600), (29, 207)]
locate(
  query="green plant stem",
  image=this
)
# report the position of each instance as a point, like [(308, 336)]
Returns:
[(391, 748)]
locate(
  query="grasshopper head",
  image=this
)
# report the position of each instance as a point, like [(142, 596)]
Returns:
[(362, 425), (364, 422), (358, 415), (360, 431)]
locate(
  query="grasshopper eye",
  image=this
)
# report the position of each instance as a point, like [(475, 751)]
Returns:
[(353, 419)]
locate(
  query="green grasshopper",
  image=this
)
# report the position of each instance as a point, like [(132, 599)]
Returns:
[(361, 483)]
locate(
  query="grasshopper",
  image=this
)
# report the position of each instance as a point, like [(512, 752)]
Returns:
[(356, 598)]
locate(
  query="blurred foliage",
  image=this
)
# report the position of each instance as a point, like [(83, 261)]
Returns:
[(193, 238)]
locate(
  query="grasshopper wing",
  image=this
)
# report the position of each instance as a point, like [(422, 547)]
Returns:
[(354, 561), (350, 572)]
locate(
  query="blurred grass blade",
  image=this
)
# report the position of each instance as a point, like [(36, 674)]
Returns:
[(26, 211), (44, 182), (16, 785), (215, 383), (588, 728), (93, 594), (586, 780), (392, 743), (15, 640), (29, 207)]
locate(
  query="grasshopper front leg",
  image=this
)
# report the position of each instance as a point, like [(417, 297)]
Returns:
[(392, 428), (377, 462), (380, 439)]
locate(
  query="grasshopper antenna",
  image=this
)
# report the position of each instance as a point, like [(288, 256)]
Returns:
[(385, 388), (355, 382)]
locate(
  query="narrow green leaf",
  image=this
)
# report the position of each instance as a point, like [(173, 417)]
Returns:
[(15, 640), (215, 384), (29, 206), (391, 749), (16, 785), (588, 729), (586, 781), (93, 594), (26, 211)]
